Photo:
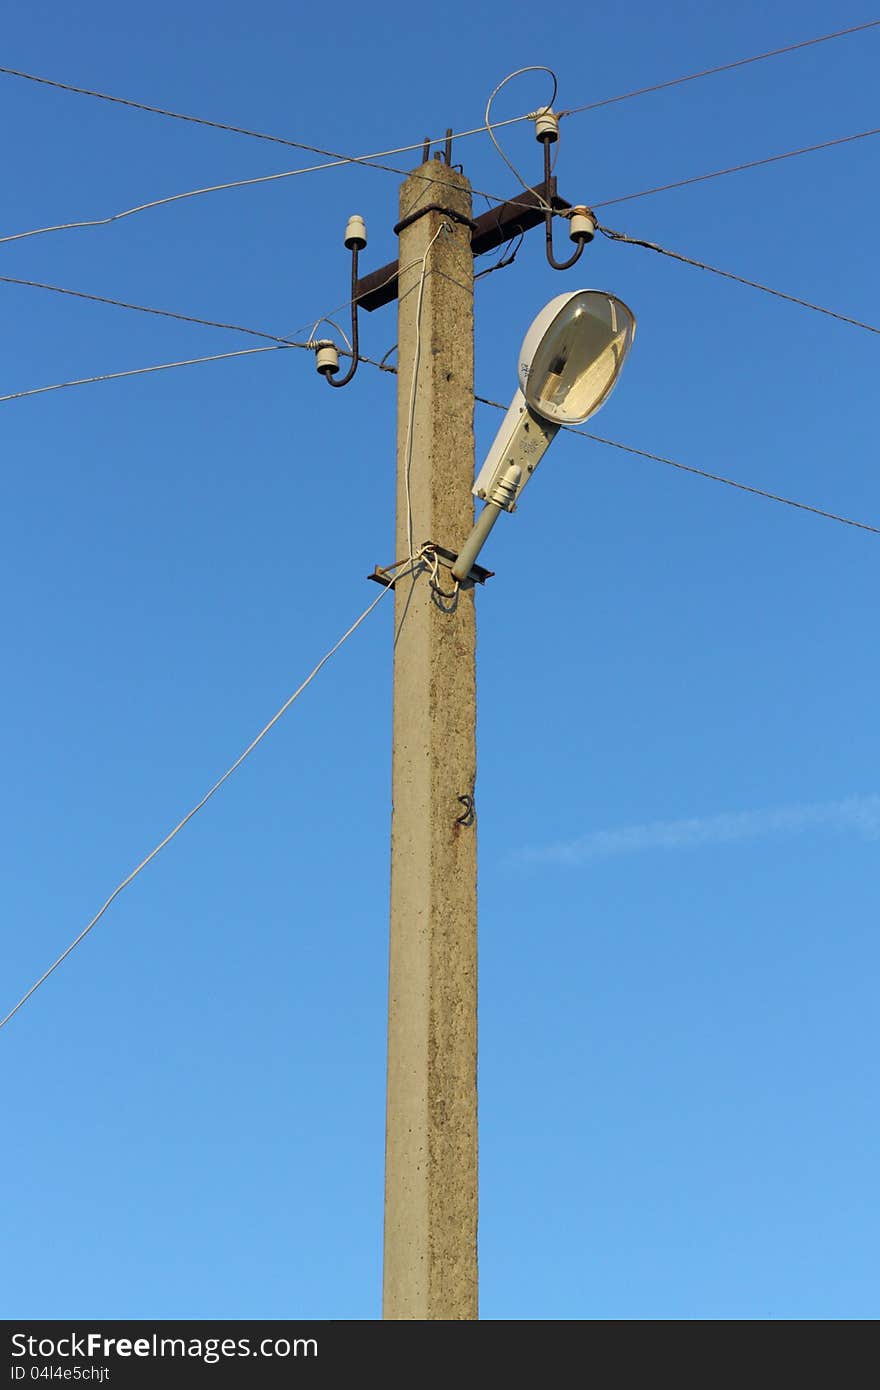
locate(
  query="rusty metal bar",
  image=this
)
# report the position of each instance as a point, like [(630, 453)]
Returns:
[(491, 229)]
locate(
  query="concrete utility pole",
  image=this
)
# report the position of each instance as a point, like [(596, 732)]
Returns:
[(431, 1144)]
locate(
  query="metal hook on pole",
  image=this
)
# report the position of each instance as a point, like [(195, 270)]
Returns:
[(355, 240), (582, 224)]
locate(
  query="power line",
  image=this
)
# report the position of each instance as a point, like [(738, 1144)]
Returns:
[(282, 339), (738, 168), (484, 400), (285, 339), (241, 183), (703, 473), (171, 198), (185, 362), (145, 309), (722, 67), (457, 135), (279, 342), (337, 160), (413, 562), (739, 279), (140, 371), (391, 169), (256, 134)]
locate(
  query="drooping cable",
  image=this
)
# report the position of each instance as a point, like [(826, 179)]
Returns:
[(282, 339), (737, 168), (721, 67), (254, 134), (337, 160), (457, 135), (171, 198), (139, 371), (91, 222), (703, 473), (384, 366), (168, 366), (412, 561), (493, 198), (147, 309), (739, 279), (490, 124)]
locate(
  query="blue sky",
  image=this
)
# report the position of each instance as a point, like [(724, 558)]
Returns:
[(678, 744)]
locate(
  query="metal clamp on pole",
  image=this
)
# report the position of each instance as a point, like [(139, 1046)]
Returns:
[(476, 574)]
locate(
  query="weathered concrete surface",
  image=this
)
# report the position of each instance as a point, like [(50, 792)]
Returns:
[(431, 1147)]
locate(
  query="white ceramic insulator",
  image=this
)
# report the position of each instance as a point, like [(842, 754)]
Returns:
[(546, 125), (356, 233), (326, 357), (581, 224)]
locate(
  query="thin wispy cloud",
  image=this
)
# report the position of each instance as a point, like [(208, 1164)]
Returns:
[(858, 815)]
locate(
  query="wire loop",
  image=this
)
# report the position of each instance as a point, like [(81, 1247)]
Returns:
[(537, 67)]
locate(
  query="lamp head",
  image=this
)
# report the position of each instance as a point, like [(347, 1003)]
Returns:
[(573, 353), (569, 363), (568, 366)]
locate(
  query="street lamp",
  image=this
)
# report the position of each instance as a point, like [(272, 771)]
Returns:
[(568, 366)]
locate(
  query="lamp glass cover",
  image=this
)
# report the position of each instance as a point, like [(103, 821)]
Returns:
[(579, 358)]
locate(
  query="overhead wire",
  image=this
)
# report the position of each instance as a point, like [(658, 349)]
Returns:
[(737, 168), (277, 340), (325, 318), (490, 124), (739, 279), (237, 183), (168, 366), (147, 309), (170, 198), (339, 159), (284, 339), (288, 339), (372, 160), (280, 343), (721, 67), (704, 473), (255, 134), (483, 400), (506, 258), (413, 561), (288, 342), (142, 371), (493, 198)]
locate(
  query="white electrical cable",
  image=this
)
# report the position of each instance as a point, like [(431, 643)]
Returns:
[(143, 371), (414, 388), (325, 318), (413, 561), (538, 67), (173, 198), (237, 183)]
